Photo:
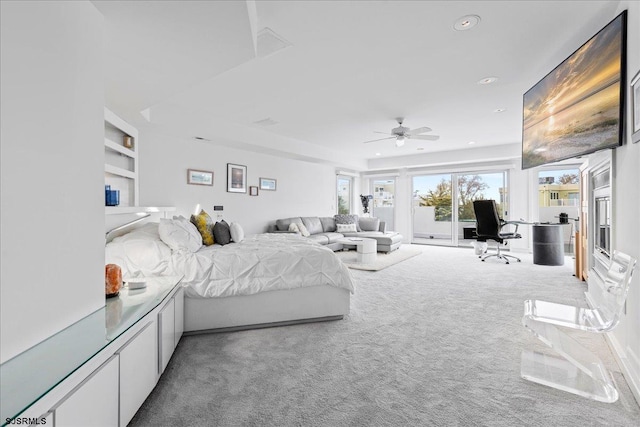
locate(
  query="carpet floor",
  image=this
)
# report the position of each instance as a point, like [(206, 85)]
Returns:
[(432, 341)]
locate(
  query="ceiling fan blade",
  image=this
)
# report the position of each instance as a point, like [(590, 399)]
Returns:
[(384, 133), (418, 131), (381, 139), (426, 137)]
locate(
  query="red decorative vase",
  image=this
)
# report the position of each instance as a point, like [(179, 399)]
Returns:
[(112, 280)]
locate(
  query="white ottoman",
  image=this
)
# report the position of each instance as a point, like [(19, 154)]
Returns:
[(367, 248)]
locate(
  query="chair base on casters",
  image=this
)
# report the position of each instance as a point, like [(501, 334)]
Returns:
[(499, 255)]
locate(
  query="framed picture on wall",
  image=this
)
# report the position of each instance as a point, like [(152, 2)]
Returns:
[(253, 191), (268, 184), (197, 177), (236, 178), (635, 107)]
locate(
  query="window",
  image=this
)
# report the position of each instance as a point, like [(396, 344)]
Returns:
[(344, 194)]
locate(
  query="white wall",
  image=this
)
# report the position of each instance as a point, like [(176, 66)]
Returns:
[(303, 189), (52, 169), (626, 211)]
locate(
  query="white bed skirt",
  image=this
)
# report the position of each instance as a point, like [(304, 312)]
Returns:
[(314, 303)]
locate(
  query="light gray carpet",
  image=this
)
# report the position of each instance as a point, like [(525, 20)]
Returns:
[(383, 260), (434, 340)]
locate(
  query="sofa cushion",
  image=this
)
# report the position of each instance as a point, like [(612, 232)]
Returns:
[(369, 224), (283, 224), (313, 224), (333, 237), (323, 240), (328, 224), (347, 219)]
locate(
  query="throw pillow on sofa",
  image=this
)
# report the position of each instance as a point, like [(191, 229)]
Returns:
[(347, 219), (346, 228)]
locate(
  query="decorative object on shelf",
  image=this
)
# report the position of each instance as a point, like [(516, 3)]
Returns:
[(112, 280), (197, 177), (127, 142), (635, 107), (253, 191), (236, 178), (111, 197), (268, 184)]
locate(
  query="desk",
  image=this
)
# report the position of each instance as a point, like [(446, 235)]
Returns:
[(548, 244)]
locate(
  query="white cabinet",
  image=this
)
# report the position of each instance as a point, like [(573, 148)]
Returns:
[(121, 158), (94, 402), (179, 307), (167, 328), (170, 328), (138, 371)]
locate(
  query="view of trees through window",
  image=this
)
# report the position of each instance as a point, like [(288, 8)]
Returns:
[(344, 195), (470, 188)]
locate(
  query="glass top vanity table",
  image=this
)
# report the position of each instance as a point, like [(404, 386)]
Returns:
[(32, 374)]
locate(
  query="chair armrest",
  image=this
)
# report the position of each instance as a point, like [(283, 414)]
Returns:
[(516, 223), (383, 227)]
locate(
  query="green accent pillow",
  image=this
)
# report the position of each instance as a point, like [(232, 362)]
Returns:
[(204, 224)]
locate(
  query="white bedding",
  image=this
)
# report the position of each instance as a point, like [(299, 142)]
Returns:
[(264, 262)]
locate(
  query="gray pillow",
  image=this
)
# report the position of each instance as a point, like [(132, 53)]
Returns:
[(313, 224), (283, 224), (222, 233), (347, 219), (369, 224), (328, 224)]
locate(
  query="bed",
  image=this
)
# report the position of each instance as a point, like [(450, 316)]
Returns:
[(262, 281)]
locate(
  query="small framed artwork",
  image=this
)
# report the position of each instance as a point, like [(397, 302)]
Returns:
[(236, 178), (197, 177), (635, 107), (253, 191), (268, 184)]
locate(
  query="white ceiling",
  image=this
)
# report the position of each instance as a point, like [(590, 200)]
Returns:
[(351, 69)]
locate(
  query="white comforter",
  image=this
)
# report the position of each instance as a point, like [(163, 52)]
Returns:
[(264, 262)]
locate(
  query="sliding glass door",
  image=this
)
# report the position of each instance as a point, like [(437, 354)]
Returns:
[(443, 213), (432, 210), (384, 191)]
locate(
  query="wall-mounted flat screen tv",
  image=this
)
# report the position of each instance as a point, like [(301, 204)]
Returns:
[(578, 108)]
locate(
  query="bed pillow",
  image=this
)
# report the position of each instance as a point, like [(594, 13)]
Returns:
[(237, 233), (346, 228), (204, 224), (180, 234), (222, 233), (139, 253), (369, 224), (347, 219)]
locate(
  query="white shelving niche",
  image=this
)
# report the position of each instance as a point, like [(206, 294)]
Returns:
[(120, 162)]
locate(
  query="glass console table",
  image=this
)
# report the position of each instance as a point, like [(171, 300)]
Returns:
[(30, 375)]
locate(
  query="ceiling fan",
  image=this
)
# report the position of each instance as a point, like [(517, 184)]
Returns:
[(401, 134)]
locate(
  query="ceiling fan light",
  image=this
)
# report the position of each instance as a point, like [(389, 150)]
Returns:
[(400, 141)]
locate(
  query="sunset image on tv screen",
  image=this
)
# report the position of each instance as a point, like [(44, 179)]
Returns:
[(575, 109)]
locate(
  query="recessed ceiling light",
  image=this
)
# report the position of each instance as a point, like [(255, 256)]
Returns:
[(471, 142), (499, 110), (420, 148), (378, 154), (466, 22), (487, 80)]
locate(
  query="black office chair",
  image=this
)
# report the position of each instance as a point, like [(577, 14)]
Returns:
[(489, 226)]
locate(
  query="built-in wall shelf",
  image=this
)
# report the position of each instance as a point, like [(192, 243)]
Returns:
[(122, 210), (121, 158)]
